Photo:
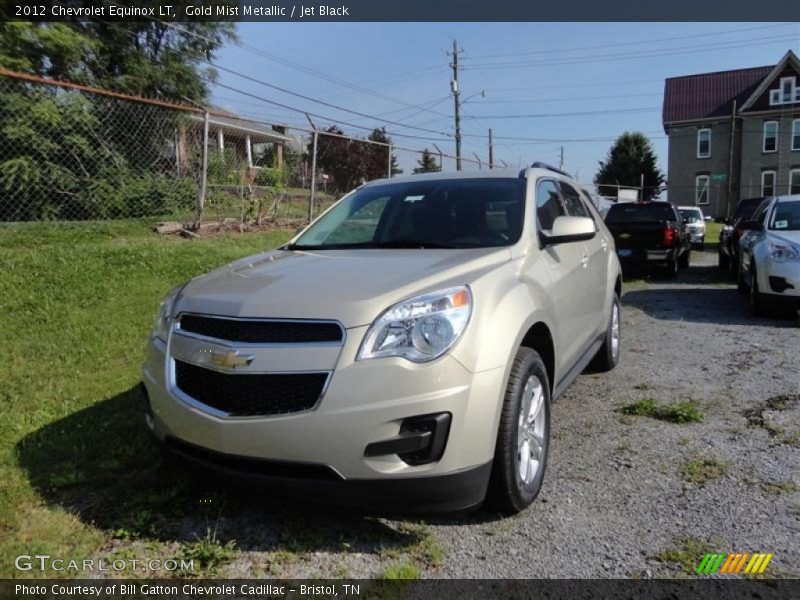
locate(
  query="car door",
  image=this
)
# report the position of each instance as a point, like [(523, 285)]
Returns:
[(570, 285), (596, 263), (750, 237)]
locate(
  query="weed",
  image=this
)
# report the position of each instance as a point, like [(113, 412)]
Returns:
[(687, 553), (779, 487), (406, 569), (703, 470), (676, 412)]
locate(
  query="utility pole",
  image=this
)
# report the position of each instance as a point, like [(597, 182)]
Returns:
[(491, 150), (456, 103), (561, 160), (730, 164)]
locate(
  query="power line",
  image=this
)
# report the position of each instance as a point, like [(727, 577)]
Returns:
[(585, 113), (629, 55), (620, 44)]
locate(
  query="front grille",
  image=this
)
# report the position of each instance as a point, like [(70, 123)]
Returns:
[(256, 331), (250, 394)]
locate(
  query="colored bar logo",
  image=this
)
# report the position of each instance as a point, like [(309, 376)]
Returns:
[(741, 562)]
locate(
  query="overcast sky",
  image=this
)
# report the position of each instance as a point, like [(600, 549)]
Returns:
[(524, 69)]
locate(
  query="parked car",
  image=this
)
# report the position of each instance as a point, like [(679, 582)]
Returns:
[(695, 225), (649, 233), (728, 248), (400, 353), (769, 254)]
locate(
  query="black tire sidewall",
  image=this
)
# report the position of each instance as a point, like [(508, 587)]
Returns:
[(507, 491)]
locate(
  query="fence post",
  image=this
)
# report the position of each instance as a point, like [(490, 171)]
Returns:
[(201, 193), (389, 166), (313, 178)]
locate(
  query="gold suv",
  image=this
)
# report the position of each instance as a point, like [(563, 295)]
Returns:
[(399, 354)]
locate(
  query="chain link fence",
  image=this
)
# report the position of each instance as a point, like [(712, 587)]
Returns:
[(72, 153)]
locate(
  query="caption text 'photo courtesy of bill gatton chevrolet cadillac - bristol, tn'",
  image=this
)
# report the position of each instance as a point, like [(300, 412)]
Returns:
[(401, 353)]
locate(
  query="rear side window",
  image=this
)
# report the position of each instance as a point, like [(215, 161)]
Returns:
[(648, 211), (548, 204), (572, 201)]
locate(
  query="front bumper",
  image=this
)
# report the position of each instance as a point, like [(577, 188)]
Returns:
[(780, 280), (364, 402), (697, 238)]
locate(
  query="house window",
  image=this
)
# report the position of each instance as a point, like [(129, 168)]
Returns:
[(701, 189), (768, 183), (787, 93), (703, 143), (770, 136), (794, 181), (796, 134)]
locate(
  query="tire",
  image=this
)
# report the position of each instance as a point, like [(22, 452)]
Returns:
[(733, 266), (528, 388), (683, 261), (608, 355), (722, 261), (741, 285), (672, 269), (755, 298)]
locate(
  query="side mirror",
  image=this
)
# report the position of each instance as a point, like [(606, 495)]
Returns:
[(570, 229)]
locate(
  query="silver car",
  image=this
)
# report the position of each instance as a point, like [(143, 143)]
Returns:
[(769, 254), (399, 354), (695, 225)]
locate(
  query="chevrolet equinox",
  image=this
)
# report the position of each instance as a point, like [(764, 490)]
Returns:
[(399, 354)]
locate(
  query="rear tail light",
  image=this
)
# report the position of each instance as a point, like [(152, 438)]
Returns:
[(669, 236)]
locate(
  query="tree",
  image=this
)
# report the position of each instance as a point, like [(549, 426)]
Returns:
[(427, 164), (380, 153), (629, 158), (146, 58)]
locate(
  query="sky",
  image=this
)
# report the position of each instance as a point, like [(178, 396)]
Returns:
[(400, 72)]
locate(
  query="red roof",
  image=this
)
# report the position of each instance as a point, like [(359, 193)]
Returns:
[(709, 94)]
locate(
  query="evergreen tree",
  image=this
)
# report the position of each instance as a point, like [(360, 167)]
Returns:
[(427, 164), (629, 158)]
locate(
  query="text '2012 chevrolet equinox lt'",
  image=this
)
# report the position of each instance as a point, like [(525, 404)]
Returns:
[(399, 354)]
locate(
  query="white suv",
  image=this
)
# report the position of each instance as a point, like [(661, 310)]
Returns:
[(769, 254), (402, 352)]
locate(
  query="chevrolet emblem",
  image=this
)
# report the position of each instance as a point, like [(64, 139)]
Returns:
[(231, 359)]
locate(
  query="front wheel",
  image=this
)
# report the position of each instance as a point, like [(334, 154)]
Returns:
[(755, 297), (722, 261), (608, 355), (523, 438), (683, 261)]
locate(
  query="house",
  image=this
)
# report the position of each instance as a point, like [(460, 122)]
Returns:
[(226, 129), (733, 135)]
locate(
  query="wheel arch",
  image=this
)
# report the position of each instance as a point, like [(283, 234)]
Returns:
[(539, 337)]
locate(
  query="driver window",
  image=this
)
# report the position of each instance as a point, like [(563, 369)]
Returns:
[(548, 204)]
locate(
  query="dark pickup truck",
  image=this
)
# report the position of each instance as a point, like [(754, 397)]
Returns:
[(649, 233), (729, 235)]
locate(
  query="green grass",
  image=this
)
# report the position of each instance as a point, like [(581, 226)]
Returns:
[(676, 412), (687, 553), (406, 569), (712, 232), (76, 305), (703, 470)]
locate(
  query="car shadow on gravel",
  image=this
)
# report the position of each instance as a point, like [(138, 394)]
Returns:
[(723, 306), (101, 465)]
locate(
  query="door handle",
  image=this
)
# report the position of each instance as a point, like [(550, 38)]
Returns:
[(584, 261)]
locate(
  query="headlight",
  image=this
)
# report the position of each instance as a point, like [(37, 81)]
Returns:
[(420, 328), (164, 315), (782, 252)]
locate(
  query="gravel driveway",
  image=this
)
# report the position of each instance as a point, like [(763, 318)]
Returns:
[(624, 495)]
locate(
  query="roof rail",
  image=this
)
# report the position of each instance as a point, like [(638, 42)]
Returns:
[(541, 165)]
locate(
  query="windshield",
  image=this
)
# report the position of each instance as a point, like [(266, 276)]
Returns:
[(786, 217), (444, 213), (691, 215), (746, 208), (646, 211)]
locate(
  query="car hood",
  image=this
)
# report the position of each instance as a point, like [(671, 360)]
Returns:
[(351, 286), (787, 237)]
